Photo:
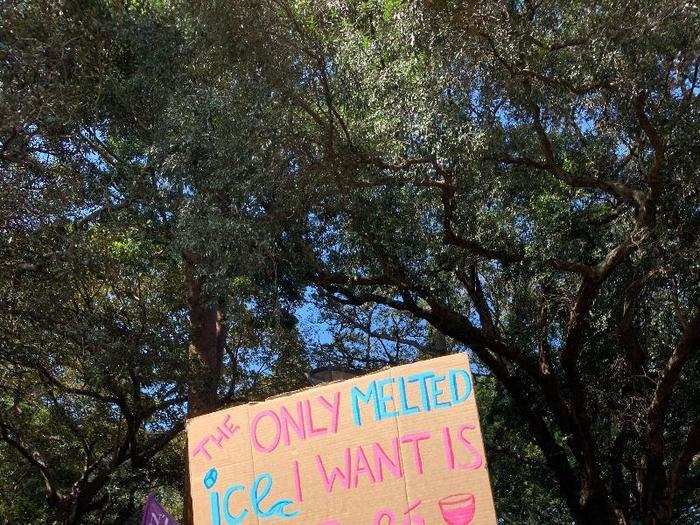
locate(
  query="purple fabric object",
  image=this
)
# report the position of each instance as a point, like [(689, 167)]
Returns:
[(154, 514)]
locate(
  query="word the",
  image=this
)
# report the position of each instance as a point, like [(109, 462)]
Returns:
[(259, 490), (225, 430), (431, 387)]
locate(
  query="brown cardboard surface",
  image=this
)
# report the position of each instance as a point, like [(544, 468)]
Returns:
[(404, 458)]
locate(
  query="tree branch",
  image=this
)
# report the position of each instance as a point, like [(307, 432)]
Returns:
[(654, 476), (32, 457), (654, 174)]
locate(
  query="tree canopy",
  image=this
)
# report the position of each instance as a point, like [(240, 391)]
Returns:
[(201, 201)]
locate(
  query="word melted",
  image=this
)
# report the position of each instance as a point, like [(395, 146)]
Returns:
[(436, 391)]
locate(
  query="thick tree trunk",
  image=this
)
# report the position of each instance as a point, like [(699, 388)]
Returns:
[(206, 350), (206, 347), (596, 509)]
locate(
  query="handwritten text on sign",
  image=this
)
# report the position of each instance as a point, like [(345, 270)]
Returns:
[(402, 446)]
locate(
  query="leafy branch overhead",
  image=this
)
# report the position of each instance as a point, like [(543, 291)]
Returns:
[(201, 201)]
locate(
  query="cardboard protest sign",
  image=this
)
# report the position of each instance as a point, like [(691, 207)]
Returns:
[(398, 447)]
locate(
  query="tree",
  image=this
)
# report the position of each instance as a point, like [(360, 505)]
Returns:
[(513, 179), (125, 307), (521, 177)]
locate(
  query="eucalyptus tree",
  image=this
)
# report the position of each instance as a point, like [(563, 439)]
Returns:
[(523, 177)]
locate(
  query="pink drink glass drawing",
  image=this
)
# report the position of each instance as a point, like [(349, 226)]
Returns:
[(457, 509)]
